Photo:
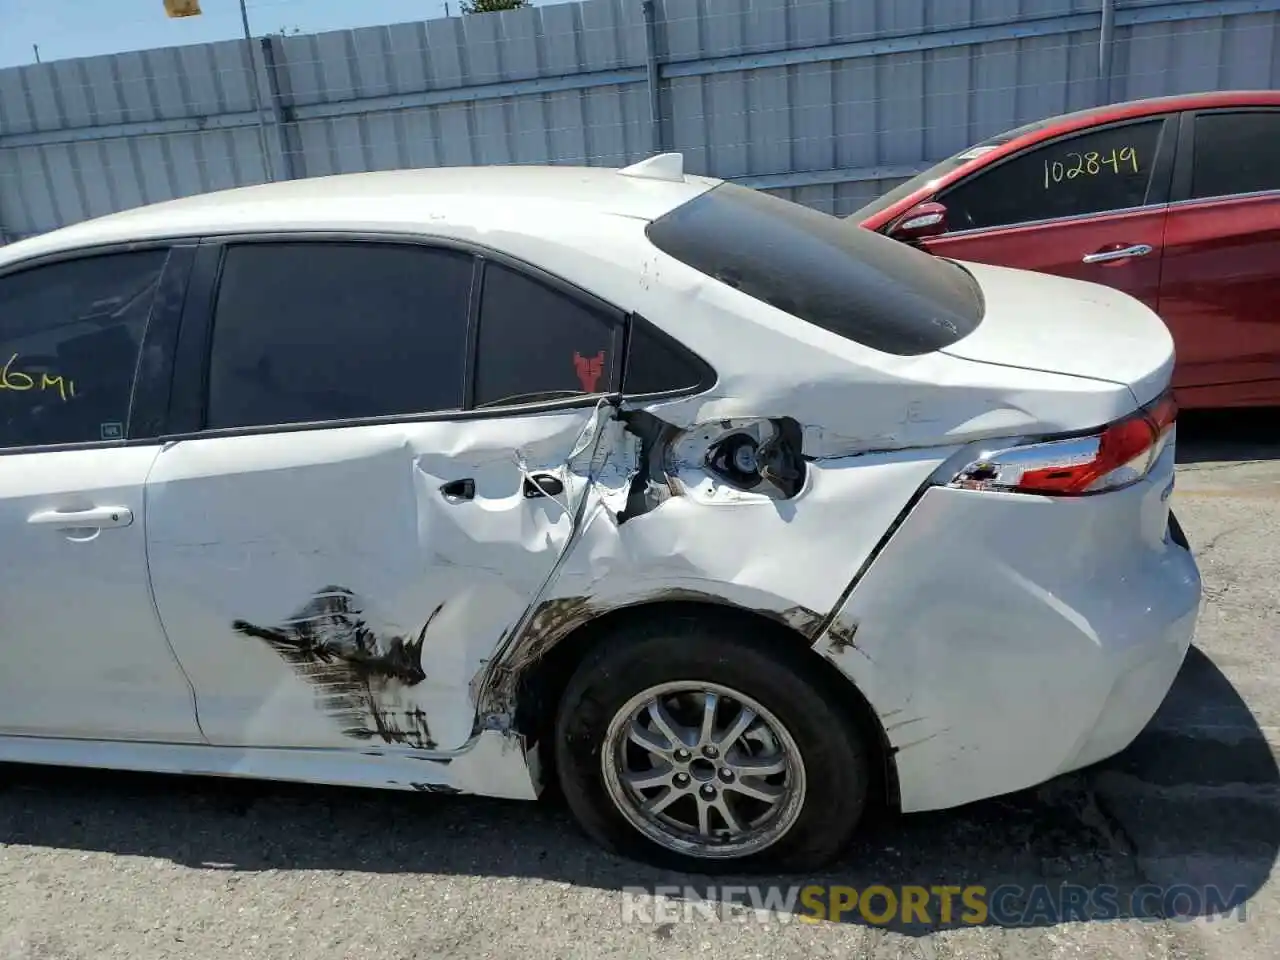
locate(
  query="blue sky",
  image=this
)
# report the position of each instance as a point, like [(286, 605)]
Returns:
[(83, 28)]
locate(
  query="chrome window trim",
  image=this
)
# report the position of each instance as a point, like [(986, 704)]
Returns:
[(1252, 195)]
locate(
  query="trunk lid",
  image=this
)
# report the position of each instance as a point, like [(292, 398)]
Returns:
[(1037, 321)]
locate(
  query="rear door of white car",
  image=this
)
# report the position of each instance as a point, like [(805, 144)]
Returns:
[(352, 512), (87, 343)]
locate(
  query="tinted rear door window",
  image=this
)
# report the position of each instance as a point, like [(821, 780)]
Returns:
[(314, 331), (538, 343), (1235, 153), (70, 336), (1093, 172), (658, 364), (834, 274)]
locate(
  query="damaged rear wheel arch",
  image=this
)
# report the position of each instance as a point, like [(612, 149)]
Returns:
[(541, 685)]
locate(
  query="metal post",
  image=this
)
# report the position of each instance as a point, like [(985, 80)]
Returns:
[(1106, 35), (291, 157), (267, 165), (654, 77)]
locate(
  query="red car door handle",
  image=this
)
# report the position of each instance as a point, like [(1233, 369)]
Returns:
[(1133, 250)]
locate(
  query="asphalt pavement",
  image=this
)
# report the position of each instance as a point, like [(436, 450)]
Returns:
[(111, 865)]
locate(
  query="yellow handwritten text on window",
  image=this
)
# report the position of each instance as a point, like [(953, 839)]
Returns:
[(13, 379), (1091, 164)]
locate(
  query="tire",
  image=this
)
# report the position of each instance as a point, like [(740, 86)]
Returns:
[(822, 797)]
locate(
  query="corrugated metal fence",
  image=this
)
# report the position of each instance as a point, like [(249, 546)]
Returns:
[(828, 101)]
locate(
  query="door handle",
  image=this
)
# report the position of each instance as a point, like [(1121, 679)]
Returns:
[(459, 490), (1103, 256), (543, 485), (99, 517)]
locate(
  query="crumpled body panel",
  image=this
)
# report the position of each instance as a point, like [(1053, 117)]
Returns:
[(678, 530), (356, 601), (319, 586), (995, 664)]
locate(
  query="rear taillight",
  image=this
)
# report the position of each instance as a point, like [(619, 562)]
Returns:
[(1118, 456)]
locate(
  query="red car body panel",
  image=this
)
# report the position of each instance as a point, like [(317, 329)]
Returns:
[(1213, 271), (1025, 247), (1220, 295)]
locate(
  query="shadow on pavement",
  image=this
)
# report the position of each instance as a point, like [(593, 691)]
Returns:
[(1190, 803), (1228, 435)]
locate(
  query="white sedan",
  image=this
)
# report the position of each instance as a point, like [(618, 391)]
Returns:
[(731, 518)]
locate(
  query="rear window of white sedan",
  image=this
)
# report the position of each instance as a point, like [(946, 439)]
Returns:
[(867, 288)]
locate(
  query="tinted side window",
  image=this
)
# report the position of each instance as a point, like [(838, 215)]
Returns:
[(1236, 153), (657, 364), (70, 335), (1093, 172), (536, 343), (333, 331)]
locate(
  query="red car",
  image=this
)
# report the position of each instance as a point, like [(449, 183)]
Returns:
[(1174, 200)]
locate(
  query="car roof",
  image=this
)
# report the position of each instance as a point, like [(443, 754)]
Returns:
[(1019, 138), (1150, 105), (423, 201)]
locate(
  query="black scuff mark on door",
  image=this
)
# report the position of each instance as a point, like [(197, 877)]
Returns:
[(841, 636), (799, 618), (408, 727), (840, 640), (500, 690), (436, 788), (916, 743), (496, 688), (355, 671), (890, 727), (553, 620)]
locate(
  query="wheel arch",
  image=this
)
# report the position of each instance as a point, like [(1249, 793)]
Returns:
[(542, 682)]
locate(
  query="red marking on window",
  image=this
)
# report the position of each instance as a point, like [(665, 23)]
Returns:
[(588, 369)]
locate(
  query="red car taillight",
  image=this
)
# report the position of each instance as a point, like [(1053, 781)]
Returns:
[(1118, 456)]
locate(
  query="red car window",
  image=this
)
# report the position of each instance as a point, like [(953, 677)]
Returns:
[(1236, 152), (1092, 172)]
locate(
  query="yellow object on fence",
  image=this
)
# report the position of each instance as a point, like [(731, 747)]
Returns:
[(182, 8)]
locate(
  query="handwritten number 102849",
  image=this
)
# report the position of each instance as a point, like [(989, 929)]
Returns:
[(1089, 164)]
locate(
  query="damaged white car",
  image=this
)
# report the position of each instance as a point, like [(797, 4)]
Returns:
[(728, 517)]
